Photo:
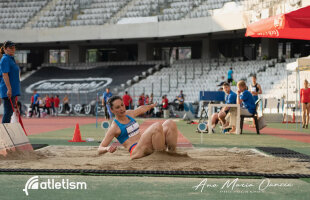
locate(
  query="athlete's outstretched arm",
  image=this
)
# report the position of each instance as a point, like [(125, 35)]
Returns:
[(104, 145), (141, 110)]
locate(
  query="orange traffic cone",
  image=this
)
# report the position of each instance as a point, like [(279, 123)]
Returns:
[(77, 135)]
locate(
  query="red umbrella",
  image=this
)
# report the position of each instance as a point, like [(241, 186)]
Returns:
[(292, 25)]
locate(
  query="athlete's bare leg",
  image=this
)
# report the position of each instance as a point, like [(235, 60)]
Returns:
[(171, 134), (307, 114), (304, 110), (153, 139)]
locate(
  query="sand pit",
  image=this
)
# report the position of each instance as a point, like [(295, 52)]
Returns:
[(203, 159)]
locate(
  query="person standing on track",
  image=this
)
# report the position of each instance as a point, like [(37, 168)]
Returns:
[(105, 98), (66, 106), (165, 102), (230, 76), (56, 104), (255, 89), (32, 104), (305, 101), (10, 80), (181, 101), (141, 100), (35, 107), (52, 104), (47, 104), (127, 100)]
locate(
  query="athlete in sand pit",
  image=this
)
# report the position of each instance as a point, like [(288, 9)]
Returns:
[(157, 137)]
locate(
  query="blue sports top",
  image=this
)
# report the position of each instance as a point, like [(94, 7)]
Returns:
[(35, 98), (8, 65), (127, 130), (230, 72), (231, 98), (248, 101)]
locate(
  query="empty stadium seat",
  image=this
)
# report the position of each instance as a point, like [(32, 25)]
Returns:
[(98, 12), (193, 76), (58, 14), (15, 14)]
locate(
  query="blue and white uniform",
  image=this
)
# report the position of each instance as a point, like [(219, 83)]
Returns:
[(128, 130)]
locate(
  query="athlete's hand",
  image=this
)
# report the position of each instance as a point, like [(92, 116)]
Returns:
[(112, 149)]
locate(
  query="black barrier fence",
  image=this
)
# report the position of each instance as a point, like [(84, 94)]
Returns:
[(73, 109), (153, 173)]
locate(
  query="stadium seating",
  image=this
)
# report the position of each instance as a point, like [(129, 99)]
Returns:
[(193, 76), (206, 8), (15, 14), (58, 14), (277, 82), (143, 8), (178, 9), (168, 10), (98, 12)]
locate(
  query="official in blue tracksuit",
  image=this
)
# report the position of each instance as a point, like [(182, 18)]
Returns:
[(10, 80), (105, 98)]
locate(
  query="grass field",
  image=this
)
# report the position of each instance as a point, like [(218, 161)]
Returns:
[(153, 188)]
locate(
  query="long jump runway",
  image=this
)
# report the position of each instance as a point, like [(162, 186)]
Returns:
[(35, 126), (286, 134)]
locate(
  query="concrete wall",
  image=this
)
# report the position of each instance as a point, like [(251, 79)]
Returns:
[(142, 51), (206, 53), (269, 47), (74, 55), (127, 31)]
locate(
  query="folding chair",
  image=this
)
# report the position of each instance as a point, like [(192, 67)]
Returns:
[(254, 116)]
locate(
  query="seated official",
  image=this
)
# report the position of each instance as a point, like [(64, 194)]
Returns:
[(246, 101), (222, 116)]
